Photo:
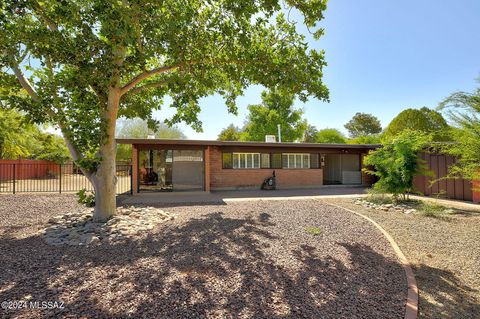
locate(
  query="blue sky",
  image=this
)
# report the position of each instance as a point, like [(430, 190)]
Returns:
[(383, 56)]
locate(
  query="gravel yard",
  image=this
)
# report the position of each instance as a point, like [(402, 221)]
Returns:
[(275, 259), (445, 255)]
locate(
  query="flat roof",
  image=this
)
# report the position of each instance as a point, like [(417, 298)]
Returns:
[(145, 141)]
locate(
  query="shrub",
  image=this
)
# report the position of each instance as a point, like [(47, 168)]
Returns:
[(86, 197), (397, 162)]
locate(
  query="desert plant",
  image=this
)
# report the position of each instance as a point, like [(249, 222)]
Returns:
[(86, 197), (397, 162)]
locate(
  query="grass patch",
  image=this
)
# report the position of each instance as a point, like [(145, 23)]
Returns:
[(379, 198), (315, 231)]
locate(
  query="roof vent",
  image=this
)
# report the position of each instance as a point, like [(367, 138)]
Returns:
[(270, 139)]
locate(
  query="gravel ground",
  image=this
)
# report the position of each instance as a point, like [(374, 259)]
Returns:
[(445, 255), (241, 260)]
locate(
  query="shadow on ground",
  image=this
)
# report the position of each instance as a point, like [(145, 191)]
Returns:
[(213, 266), (443, 295)]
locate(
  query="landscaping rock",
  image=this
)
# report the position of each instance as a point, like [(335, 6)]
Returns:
[(78, 229)]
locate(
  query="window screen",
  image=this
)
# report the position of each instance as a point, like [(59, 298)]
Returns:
[(246, 160), (227, 160), (292, 160), (314, 163), (276, 160), (265, 160)]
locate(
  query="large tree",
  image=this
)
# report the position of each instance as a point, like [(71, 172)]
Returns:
[(138, 128), (276, 109), (463, 108), (330, 136), (21, 139), (423, 120), (309, 136), (230, 133), (363, 124), (83, 63)]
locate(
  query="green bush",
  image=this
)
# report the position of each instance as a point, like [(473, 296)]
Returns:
[(397, 162), (86, 197)]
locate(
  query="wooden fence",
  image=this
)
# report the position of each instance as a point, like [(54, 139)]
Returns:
[(439, 164)]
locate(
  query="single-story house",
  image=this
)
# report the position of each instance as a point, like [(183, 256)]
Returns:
[(195, 165)]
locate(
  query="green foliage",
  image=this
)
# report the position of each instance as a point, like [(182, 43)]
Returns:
[(365, 139), (276, 108), (21, 139), (363, 124), (138, 128), (396, 163), (309, 136), (86, 198), (422, 120), (230, 133), (330, 135), (464, 110), (83, 64), (378, 197), (53, 148), (315, 231)]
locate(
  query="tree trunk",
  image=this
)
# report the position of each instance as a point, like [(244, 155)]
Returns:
[(105, 179), (104, 183)]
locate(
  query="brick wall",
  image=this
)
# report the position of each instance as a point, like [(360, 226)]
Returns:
[(253, 178)]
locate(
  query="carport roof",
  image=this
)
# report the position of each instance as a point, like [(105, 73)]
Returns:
[(144, 141)]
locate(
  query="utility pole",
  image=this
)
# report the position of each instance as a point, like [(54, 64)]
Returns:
[(279, 134)]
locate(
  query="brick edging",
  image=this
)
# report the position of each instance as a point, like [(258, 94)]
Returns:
[(411, 307)]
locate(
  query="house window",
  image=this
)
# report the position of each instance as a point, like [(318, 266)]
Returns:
[(227, 160), (294, 160), (276, 160), (246, 160), (265, 160)]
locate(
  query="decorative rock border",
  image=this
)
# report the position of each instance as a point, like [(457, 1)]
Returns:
[(78, 229), (401, 208), (411, 308)]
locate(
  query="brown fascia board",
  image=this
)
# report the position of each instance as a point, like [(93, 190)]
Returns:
[(144, 141)]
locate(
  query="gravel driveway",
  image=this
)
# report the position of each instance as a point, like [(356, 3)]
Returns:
[(241, 260)]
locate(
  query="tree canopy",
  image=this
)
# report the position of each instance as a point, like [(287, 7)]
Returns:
[(138, 128), (81, 64), (230, 133), (330, 135), (423, 120), (363, 124), (309, 136), (276, 108), (20, 139), (463, 108)]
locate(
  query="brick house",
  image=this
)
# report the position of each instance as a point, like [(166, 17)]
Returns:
[(194, 165)]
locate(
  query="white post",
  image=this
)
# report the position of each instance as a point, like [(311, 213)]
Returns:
[(279, 134)]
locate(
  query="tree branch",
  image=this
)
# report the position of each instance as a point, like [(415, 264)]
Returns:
[(26, 85), (49, 22), (145, 75), (148, 86)]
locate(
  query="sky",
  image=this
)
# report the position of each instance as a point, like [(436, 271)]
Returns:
[(383, 56)]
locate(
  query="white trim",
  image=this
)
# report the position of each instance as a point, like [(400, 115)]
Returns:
[(246, 156), (292, 160)]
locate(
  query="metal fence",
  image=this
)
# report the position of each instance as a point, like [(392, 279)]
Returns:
[(58, 178)]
